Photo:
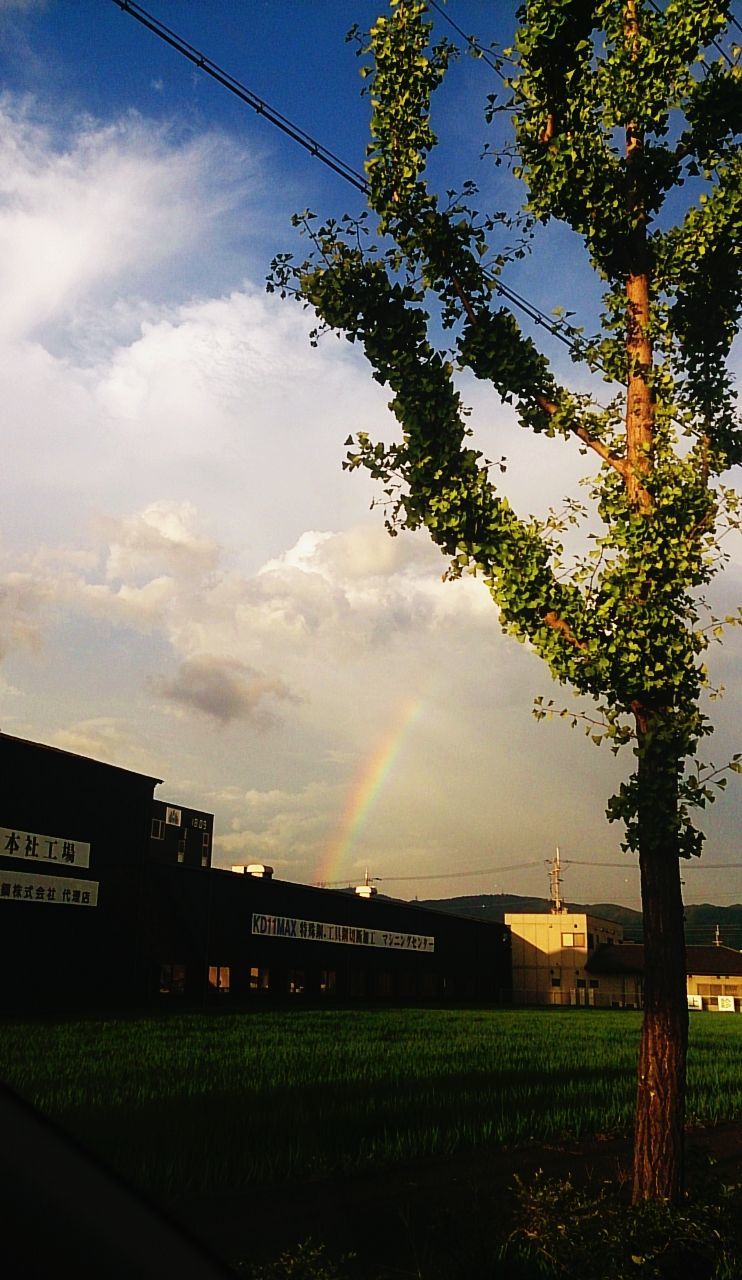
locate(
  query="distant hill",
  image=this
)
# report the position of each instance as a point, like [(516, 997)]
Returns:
[(700, 920)]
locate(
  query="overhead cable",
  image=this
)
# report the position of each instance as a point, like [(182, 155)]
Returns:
[(478, 49), (566, 334), (245, 95), (714, 42)]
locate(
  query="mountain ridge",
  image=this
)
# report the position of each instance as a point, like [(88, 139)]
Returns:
[(701, 919)]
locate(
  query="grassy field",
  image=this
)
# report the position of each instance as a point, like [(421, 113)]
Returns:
[(200, 1102)]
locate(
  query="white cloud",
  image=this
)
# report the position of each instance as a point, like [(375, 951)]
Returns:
[(163, 535), (22, 598), (110, 740), (180, 539), (104, 210)]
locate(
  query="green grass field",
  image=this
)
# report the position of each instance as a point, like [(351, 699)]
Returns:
[(202, 1102)]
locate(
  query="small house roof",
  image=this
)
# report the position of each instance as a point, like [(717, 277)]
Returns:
[(628, 957)]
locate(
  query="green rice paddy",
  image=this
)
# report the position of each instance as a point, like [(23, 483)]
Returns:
[(205, 1102)]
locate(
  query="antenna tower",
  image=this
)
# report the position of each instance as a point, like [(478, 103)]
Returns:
[(556, 902)]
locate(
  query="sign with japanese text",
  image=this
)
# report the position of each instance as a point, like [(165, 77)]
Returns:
[(725, 1004), (29, 844), (23, 886), (354, 935)]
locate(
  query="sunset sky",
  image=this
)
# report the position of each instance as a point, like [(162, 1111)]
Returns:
[(190, 585)]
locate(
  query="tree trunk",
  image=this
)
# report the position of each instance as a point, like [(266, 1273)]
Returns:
[(660, 1100)]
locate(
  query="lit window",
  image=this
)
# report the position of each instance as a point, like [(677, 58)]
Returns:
[(158, 829), (219, 977), (567, 939), (204, 859), (181, 850), (296, 982), (259, 979), (579, 939), (327, 981), (206, 841)]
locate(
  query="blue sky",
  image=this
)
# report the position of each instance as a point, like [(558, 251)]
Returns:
[(189, 583)]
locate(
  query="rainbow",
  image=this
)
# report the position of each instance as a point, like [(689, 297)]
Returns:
[(367, 785)]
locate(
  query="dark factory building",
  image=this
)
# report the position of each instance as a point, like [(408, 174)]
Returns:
[(108, 900), (180, 835)]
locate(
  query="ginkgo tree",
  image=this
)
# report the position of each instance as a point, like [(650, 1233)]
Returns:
[(625, 118)]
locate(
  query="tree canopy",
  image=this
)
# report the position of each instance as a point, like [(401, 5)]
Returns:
[(625, 120)]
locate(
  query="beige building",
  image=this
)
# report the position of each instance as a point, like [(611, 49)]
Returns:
[(551, 961), (568, 958)]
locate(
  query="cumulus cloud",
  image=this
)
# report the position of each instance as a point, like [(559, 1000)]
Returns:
[(177, 523), (224, 689), (163, 535), (22, 600), (110, 740), (104, 209)]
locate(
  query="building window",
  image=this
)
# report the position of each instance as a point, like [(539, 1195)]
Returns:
[(407, 986), (328, 981), (581, 984), (259, 979), (172, 816), (430, 986), (158, 829), (172, 979), (296, 982), (219, 977), (357, 982), (567, 940), (579, 939), (556, 982), (206, 840), (594, 984), (383, 984), (204, 859), (181, 850)]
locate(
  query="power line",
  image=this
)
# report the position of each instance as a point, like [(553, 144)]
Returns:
[(698, 865), (245, 95), (447, 875), (472, 42), (563, 332), (714, 41), (522, 866), (320, 152)]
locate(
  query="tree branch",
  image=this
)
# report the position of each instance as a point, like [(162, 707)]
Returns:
[(613, 459), (608, 456), (556, 623)]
